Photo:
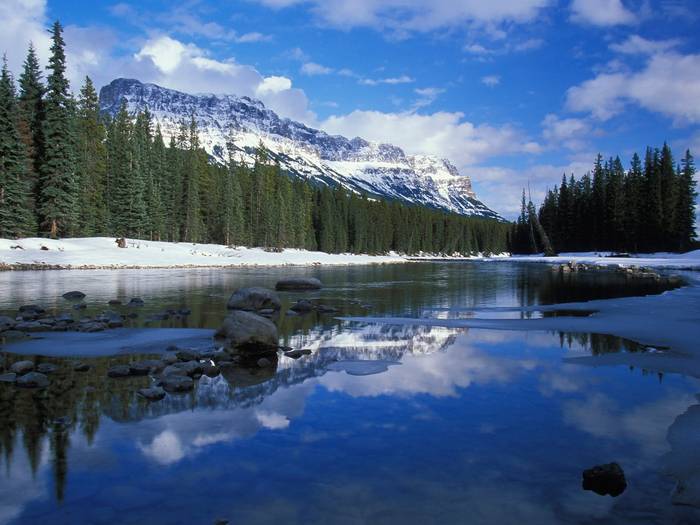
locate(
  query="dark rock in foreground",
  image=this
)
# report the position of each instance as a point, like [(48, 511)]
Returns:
[(605, 479), (254, 299), (298, 284)]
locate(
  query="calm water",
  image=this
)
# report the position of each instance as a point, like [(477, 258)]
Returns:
[(456, 426)]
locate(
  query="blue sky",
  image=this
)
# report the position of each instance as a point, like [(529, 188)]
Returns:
[(512, 91)]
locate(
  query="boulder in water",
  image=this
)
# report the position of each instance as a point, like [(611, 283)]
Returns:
[(298, 284), (254, 299), (175, 383), (75, 294), (155, 393), (119, 371), (242, 330)]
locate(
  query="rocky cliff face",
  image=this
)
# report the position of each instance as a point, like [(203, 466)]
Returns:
[(239, 124)]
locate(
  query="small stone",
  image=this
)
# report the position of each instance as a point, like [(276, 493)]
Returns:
[(114, 302), (605, 479), (186, 355), (22, 367), (296, 354), (119, 371), (155, 393), (81, 367), (139, 369), (177, 383), (75, 294), (47, 368), (136, 301), (210, 370), (33, 380), (10, 377), (302, 306), (298, 284)]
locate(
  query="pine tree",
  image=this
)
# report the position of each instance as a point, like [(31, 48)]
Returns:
[(15, 212), (31, 117), (684, 228), (58, 188), (91, 163)]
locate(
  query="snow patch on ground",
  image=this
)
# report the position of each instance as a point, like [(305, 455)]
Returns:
[(687, 261), (103, 252)]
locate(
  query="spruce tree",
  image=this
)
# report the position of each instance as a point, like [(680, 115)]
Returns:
[(57, 184), (15, 213), (684, 228), (31, 117), (91, 163)]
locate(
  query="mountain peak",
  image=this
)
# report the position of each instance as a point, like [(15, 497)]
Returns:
[(378, 169)]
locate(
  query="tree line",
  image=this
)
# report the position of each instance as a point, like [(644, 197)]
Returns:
[(648, 207), (68, 170)]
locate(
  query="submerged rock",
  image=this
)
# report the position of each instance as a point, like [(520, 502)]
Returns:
[(302, 306), (177, 383), (245, 329), (254, 299), (298, 284), (6, 323), (22, 367), (81, 367), (33, 380), (119, 371), (47, 368), (75, 294), (605, 479), (154, 393), (135, 301)]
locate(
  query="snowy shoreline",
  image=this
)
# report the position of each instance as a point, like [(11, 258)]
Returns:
[(102, 253)]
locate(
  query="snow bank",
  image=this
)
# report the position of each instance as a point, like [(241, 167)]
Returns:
[(686, 261), (103, 252)]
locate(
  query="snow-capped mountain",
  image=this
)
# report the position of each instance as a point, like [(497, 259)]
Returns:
[(242, 123)]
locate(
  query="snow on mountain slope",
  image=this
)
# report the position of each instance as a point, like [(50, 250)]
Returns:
[(242, 123)]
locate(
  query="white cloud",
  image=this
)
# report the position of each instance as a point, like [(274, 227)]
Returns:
[(313, 69), (254, 36), (23, 21), (601, 13), (274, 85), (637, 45), (442, 133), (403, 79), (427, 96), (669, 84), (572, 133), (491, 80), (417, 15)]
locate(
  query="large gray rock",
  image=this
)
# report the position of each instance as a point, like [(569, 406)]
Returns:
[(298, 284), (254, 299), (33, 380), (22, 367), (245, 329)]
